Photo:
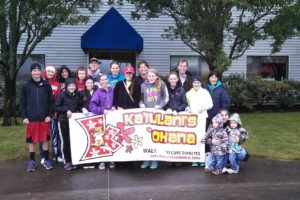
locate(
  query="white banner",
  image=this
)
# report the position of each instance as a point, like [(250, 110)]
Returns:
[(137, 134)]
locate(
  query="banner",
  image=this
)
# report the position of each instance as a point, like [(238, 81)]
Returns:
[(137, 134)]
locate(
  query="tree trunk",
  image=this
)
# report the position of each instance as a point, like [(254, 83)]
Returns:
[(9, 106)]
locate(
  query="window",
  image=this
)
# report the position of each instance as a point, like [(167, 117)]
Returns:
[(24, 73), (268, 67), (124, 58), (196, 64)]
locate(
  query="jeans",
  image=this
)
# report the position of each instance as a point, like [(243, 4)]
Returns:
[(217, 162), (235, 158)]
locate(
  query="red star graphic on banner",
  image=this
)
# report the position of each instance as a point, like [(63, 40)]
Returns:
[(100, 138), (123, 134)]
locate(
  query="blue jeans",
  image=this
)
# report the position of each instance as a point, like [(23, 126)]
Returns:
[(235, 158), (217, 162)]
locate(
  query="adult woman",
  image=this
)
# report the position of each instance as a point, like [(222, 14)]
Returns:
[(218, 94), (127, 93)]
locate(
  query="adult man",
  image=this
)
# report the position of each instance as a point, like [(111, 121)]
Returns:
[(36, 107), (143, 68), (94, 71), (185, 77)]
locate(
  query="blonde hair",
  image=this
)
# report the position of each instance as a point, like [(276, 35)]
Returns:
[(157, 82)]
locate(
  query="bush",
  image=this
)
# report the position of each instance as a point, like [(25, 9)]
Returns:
[(246, 93)]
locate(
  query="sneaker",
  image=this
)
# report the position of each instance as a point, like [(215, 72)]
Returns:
[(102, 166), (88, 166), (31, 166), (216, 172), (201, 164), (48, 165), (145, 164), (231, 171), (42, 161), (206, 169), (68, 166), (112, 165), (224, 170), (153, 165), (195, 164), (246, 157)]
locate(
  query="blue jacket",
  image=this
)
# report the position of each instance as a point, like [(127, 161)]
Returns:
[(36, 100), (177, 99), (220, 99), (114, 80)]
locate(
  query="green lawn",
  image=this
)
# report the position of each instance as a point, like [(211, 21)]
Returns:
[(271, 135)]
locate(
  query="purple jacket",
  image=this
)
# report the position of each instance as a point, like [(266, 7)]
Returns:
[(101, 100)]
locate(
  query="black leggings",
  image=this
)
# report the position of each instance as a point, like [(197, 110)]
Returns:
[(64, 135)]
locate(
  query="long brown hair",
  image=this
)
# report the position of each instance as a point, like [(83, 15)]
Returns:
[(157, 81)]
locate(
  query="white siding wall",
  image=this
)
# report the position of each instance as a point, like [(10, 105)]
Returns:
[(63, 47)]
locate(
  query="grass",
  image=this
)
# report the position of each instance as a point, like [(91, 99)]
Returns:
[(271, 135)]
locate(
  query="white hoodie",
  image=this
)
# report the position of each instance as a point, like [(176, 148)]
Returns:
[(199, 101)]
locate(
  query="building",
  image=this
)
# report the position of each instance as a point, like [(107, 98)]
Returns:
[(142, 40)]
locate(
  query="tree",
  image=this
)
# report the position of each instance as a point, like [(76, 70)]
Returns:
[(210, 26), (32, 21)]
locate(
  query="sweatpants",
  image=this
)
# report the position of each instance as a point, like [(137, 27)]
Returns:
[(64, 135)]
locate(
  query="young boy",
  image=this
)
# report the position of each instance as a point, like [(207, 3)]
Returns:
[(67, 103), (36, 107), (217, 137), (81, 76)]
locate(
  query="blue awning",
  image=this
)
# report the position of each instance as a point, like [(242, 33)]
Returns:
[(112, 32)]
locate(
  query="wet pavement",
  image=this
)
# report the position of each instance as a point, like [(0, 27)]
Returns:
[(258, 179)]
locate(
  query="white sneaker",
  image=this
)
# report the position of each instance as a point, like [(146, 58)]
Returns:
[(60, 159), (112, 165), (42, 161), (231, 171), (89, 167), (224, 170), (102, 166)]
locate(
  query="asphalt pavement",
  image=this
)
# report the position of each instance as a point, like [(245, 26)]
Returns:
[(258, 179)]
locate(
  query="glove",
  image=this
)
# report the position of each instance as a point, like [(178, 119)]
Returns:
[(157, 107), (85, 111), (169, 110), (142, 106)]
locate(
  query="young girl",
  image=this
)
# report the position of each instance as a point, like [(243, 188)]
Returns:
[(114, 76), (86, 95), (63, 73), (127, 93), (237, 135), (177, 101), (217, 137), (154, 94), (67, 103), (101, 102), (199, 101)]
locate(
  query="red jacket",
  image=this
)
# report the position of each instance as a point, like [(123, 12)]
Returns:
[(54, 84), (81, 84)]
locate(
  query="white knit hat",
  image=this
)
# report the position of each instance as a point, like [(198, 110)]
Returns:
[(50, 68)]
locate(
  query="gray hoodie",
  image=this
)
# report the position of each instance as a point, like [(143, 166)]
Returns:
[(150, 97)]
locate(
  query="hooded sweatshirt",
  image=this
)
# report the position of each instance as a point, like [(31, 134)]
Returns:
[(95, 77), (112, 80), (101, 100), (67, 101), (54, 84), (217, 133), (60, 79), (81, 83), (151, 97)]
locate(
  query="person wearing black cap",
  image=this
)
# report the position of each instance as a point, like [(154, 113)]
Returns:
[(36, 107), (94, 71), (199, 101), (67, 103)]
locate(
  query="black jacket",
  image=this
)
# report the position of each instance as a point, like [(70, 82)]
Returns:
[(36, 100), (177, 99), (86, 96), (188, 83), (67, 101), (122, 98)]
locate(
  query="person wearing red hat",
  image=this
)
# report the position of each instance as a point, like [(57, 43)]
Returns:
[(127, 93)]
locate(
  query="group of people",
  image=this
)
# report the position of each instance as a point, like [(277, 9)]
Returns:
[(48, 100)]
